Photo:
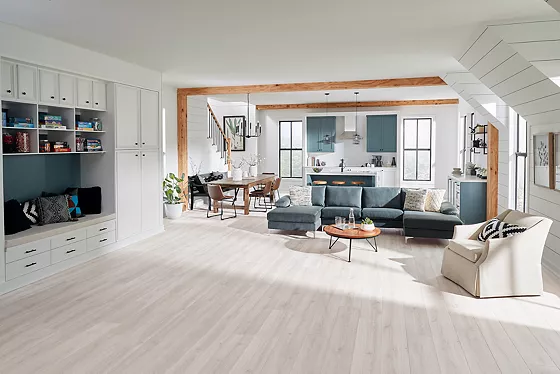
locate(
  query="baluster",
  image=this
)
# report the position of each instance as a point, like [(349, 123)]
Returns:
[(213, 134), (209, 124)]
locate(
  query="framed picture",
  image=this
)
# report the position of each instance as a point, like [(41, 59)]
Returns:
[(234, 125), (541, 159)]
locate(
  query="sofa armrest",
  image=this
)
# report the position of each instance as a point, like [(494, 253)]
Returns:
[(466, 231), (449, 209), (283, 202)]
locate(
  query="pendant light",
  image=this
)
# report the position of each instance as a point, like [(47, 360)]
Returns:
[(250, 132), (327, 138), (357, 137)]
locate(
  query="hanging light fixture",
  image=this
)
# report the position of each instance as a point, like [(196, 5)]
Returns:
[(357, 137), (250, 132), (327, 139)]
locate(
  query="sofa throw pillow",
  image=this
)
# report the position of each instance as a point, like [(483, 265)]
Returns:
[(14, 219), (74, 203), (495, 229), (30, 211), (53, 209), (300, 195), (434, 199), (415, 200), (90, 199)]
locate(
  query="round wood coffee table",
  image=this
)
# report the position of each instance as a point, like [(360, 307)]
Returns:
[(354, 233)]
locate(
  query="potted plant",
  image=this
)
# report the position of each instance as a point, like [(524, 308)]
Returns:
[(253, 161), (173, 194), (237, 173), (367, 224)]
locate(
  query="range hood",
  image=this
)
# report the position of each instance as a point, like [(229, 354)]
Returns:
[(349, 127)]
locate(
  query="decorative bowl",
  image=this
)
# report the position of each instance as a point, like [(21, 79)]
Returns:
[(369, 227), (317, 170)]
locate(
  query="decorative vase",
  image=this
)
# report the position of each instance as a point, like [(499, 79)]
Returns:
[(173, 211), (253, 171), (237, 174), (369, 227)]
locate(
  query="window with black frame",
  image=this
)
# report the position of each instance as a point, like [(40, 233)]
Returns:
[(291, 149), (417, 150), (521, 164)]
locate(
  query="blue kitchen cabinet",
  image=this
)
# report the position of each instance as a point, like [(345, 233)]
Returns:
[(317, 130), (382, 133)]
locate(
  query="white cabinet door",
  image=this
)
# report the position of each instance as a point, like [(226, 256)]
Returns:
[(128, 116), (66, 89), (85, 93), (129, 194), (151, 191), (8, 80), (149, 119), (27, 82), (99, 95), (48, 87)]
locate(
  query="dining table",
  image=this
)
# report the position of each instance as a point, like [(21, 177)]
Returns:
[(246, 184)]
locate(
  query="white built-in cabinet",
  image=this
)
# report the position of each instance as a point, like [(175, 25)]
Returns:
[(99, 95), (129, 194), (151, 190), (137, 118), (91, 94), (26, 82), (8, 74), (66, 90), (48, 87)]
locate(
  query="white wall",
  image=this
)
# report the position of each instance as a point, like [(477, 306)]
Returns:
[(169, 109), (446, 148), (23, 45)]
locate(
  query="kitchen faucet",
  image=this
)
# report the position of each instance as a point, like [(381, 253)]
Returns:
[(342, 165)]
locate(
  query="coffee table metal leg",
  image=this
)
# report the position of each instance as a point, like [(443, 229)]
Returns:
[(331, 244), (373, 246), (350, 251)]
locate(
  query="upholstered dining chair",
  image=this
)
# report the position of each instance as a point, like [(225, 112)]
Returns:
[(498, 267), (276, 188), (217, 194), (259, 195)]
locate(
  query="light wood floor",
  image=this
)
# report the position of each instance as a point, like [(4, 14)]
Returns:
[(225, 297)]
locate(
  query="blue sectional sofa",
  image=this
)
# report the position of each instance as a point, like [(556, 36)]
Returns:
[(384, 205)]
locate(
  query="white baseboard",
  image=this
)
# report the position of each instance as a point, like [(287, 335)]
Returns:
[(61, 266)]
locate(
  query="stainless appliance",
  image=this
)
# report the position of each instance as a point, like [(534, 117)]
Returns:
[(377, 161)]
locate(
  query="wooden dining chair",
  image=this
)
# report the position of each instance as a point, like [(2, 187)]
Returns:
[(217, 194)]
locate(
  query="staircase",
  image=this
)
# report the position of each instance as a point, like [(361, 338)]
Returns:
[(219, 138)]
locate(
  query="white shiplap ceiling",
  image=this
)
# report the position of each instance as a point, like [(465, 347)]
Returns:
[(221, 42)]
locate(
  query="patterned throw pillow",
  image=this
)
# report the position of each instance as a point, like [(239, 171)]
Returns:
[(495, 229), (74, 207), (53, 209), (300, 195), (434, 199), (30, 210), (415, 200)]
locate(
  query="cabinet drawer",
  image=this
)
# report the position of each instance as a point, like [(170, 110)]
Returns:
[(68, 238), (27, 250), (68, 251), (101, 228), (101, 240), (27, 265)]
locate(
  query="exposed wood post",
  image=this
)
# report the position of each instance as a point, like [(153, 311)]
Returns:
[(182, 136), (492, 172), (551, 161)]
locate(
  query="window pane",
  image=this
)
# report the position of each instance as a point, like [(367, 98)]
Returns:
[(285, 164), (522, 135), (410, 165), (424, 133), (297, 134), (424, 167), (285, 135), (297, 164), (520, 187), (410, 133)]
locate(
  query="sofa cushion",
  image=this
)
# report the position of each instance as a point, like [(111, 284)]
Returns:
[(298, 214), (344, 197), (430, 221), (469, 249), (340, 211), (318, 195), (382, 214), (382, 197)]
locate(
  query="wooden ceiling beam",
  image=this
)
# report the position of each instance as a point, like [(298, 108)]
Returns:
[(315, 86), (361, 104)]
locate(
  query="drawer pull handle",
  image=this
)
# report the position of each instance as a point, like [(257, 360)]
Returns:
[(31, 250), (102, 240), (31, 264), (9, 91), (72, 238), (70, 251), (103, 229)]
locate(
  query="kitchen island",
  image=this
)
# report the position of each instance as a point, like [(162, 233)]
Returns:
[(366, 177)]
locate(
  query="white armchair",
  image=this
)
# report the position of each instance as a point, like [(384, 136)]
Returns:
[(498, 267)]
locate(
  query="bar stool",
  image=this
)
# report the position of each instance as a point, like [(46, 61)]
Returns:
[(339, 183), (358, 183), (319, 183)]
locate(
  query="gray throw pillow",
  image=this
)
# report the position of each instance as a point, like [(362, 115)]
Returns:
[(53, 209), (415, 200)]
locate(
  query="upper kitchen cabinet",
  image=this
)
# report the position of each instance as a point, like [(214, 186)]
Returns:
[(26, 82), (85, 93), (48, 87), (99, 95), (66, 84), (382, 133), (8, 74), (321, 134)]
